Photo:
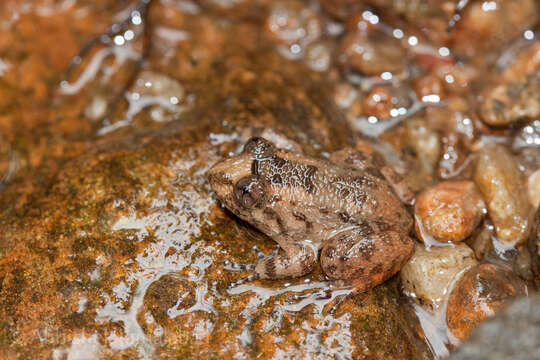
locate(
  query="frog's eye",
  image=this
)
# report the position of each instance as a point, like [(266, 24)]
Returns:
[(249, 191), (259, 148)]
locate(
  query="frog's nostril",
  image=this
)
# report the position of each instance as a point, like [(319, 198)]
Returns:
[(218, 178)]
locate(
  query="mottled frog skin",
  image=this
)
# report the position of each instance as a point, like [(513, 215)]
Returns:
[(342, 210)]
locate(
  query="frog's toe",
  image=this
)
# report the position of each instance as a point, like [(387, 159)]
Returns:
[(322, 294), (258, 252), (249, 278), (261, 255), (229, 265)]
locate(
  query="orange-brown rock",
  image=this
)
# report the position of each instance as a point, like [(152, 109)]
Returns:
[(479, 294), (505, 193), (448, 211)]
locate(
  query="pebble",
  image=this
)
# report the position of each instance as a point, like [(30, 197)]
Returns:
[(428, 276), (293, 25), (425, 141), (481, 242), (448, 211), (503, 188), (533, 245), (533, 184), (479, 294), (373, 54), (510, 102), (496, 338)]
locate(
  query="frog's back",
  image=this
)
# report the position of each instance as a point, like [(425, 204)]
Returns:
[(326, 191)]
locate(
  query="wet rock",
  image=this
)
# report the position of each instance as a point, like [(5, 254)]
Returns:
[(293, 26), (513, 333), (456, 78), (318, 56), (533, 185), (428, 87), (533, 245), (492, 25), (425, 141), (522, 263), (509, 102), (429, 275), (116, 246), (501, 184), (524, 60), (448, 211), (479, 294), (378, 103), (528, 159), (481, 241), (454, 157), (528, 137), (373, 53)]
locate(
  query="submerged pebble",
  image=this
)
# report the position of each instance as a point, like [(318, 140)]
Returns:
[(448, 211), (429, 275), (481, 241), (510, 102), (533, 185), (292, 26), (479, 294), (501, 184), (373, 53), (533, 245)]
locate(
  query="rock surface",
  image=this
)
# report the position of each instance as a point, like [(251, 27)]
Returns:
[(496, 338), (503, 188), (448, 211), (430, 274), (111, 242), (478, 295), (112, 245)]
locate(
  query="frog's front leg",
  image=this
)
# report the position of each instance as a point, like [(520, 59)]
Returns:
[(298, 259), (367, 254)]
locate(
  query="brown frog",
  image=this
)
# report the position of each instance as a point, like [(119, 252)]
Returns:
[(344, 207)]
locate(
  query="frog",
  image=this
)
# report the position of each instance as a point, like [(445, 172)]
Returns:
[(348, 212)]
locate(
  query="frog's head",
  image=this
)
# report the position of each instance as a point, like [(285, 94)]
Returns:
[(236, 180)]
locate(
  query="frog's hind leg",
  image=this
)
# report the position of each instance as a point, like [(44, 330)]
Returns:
[(367, 254)]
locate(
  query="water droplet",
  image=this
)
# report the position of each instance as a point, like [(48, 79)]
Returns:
[(413, 41)]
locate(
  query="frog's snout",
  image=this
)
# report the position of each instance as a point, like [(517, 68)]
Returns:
[(218, 177)]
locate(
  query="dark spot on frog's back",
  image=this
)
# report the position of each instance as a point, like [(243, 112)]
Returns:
[(366, 252), (382, 226), (307, 178), (364, 181), (377, 269), (276, 180)]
